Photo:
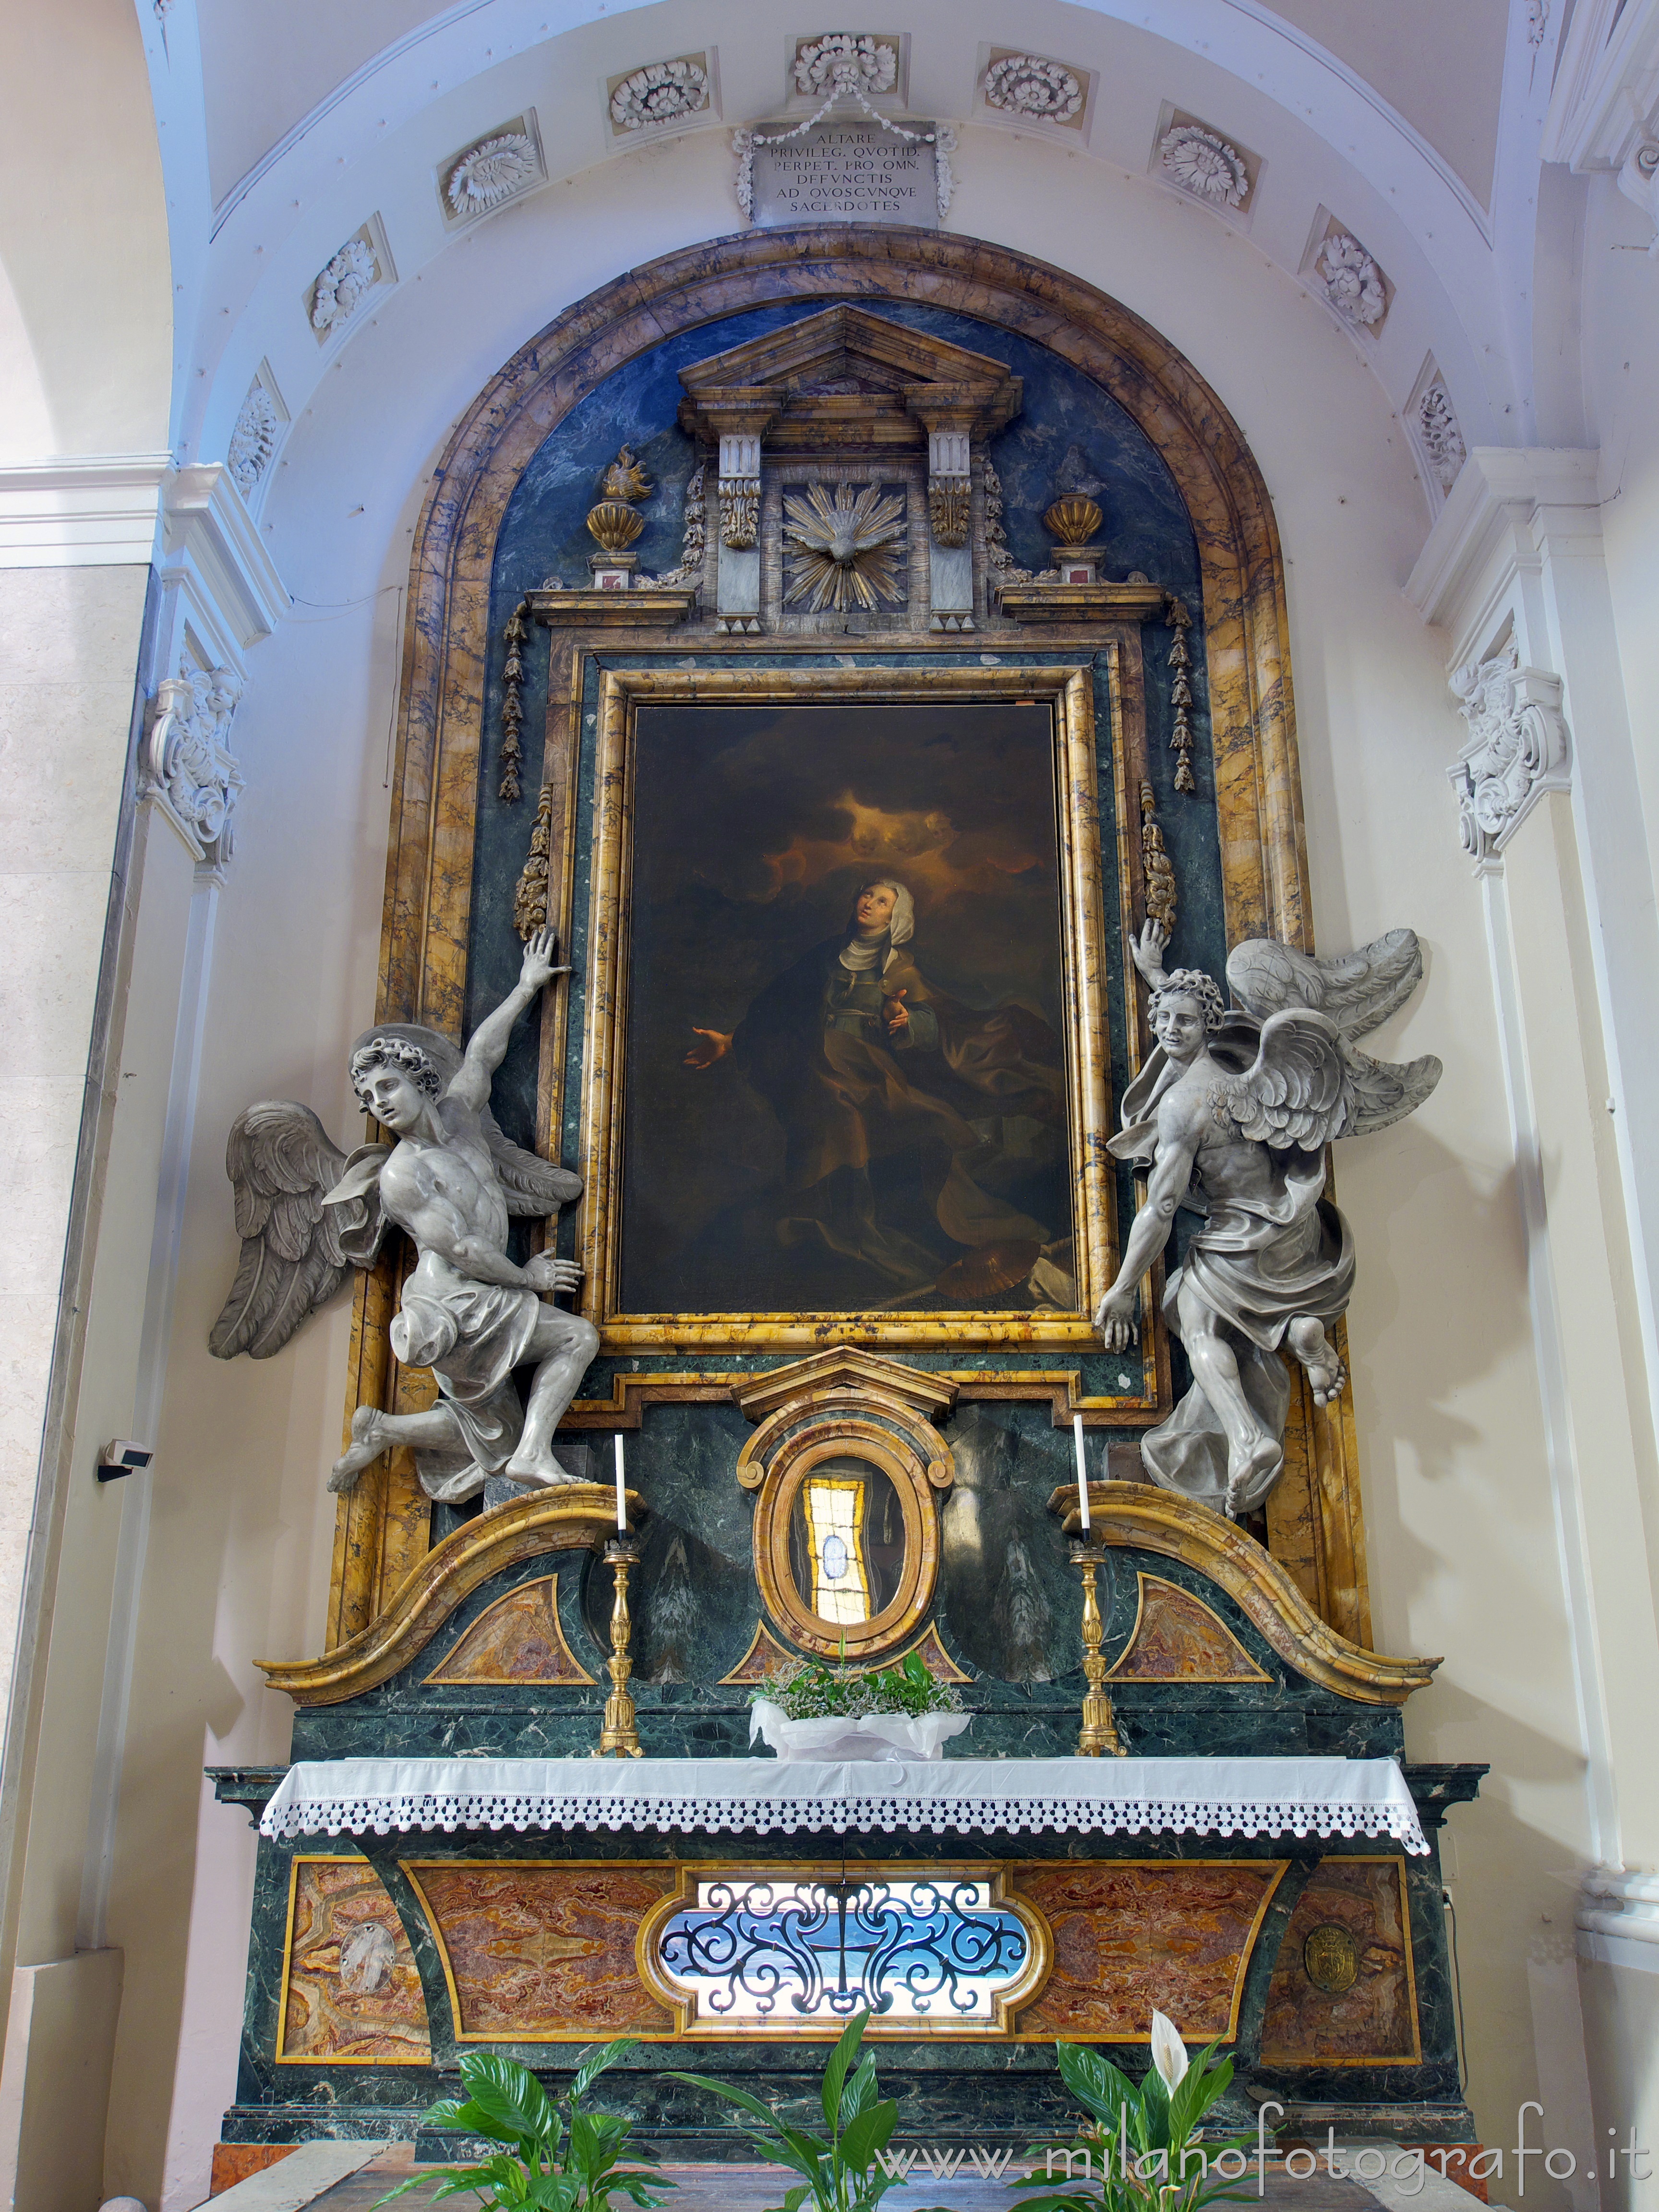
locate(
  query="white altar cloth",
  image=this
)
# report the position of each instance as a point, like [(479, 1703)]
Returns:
[(1101, 1797)]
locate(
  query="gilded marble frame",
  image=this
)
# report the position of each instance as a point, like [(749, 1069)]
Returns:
[(1066, 687), (1315, 1517)]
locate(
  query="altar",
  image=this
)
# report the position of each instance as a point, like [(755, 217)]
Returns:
[(949, 1279), (540, 1899)]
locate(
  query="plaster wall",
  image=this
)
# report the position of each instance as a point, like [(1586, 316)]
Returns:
[(1463, 1548), (84, 279), (1619, 347)]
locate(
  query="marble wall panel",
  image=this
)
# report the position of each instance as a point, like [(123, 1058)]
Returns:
[(518, 1639), (1351, 1920), (1249, 783), (537, 1951), (1177, 1638), (1132, 1934), (350, 1990)]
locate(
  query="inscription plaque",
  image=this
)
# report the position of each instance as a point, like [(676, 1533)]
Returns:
[(846, 172)]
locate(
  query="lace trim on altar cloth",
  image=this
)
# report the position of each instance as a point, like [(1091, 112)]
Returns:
[(311, 1801)]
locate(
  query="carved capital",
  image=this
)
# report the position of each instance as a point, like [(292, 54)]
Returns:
[(947, 509), (1519, 747), (187, 760), (739, 512)]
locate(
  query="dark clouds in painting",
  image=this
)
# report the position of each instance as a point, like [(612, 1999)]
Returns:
[(754, 829)]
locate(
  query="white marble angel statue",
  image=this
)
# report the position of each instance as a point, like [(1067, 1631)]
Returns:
[(308, 1214), (1232, 1114)]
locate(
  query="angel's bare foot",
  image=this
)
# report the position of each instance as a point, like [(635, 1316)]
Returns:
[(1244, 1464), (537, 1467), (1326, 1374), (367, 1446)]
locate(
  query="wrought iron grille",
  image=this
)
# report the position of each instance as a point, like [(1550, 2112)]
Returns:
[(770, 1950)]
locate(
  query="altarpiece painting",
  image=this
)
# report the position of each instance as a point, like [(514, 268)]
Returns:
[(849, 1070)]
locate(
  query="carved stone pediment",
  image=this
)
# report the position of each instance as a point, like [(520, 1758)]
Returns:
[(847, 378)]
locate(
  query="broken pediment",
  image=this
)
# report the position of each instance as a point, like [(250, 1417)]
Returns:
[(846, 377)]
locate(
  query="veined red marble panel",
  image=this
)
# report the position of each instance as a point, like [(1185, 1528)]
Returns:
[(1344, 1991), (1177, 1638), (1133, 1935), (350, 1990), (542, 1951), (518, 1639)]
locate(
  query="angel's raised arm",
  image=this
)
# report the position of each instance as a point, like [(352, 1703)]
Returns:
[(487, 1048), (1147, 952)]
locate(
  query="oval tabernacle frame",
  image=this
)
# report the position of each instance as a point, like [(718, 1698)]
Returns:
[(820, 1420)]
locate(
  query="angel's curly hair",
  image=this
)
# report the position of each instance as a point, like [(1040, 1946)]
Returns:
[(1192, 983), (395, 1051)]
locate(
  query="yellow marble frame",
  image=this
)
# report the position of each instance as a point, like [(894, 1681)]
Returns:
[(1315, 1519), (1066, 687)]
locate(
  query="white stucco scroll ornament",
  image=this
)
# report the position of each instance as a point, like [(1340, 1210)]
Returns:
[(1443, 441), (253, 440), (847, 60), (1519, 747), (1202, 163), (659, 92), (491, 171), (342, 287), (187, 758), (1351, 281), (1029, 85)]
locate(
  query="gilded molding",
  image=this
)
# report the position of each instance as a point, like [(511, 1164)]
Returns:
[(1068, 687), (1137, 1514), (575, 1517), (446, 641)]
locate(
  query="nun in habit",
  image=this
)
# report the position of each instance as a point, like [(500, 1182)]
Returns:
[(896, 1103)]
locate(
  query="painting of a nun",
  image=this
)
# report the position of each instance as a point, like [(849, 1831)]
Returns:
[(865, 1065), (847, 1089)]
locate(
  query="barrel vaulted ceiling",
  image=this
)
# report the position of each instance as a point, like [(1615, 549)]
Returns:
[(1413, 126)]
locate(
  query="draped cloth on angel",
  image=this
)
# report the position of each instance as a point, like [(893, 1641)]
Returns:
[(849, 1094), (471, 1335), (1257, 1263)]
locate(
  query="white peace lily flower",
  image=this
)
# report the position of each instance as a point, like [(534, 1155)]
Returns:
[(1169, 2051)]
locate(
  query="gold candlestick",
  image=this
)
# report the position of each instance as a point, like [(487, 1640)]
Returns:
[(620, 1738), (1099, 1732)]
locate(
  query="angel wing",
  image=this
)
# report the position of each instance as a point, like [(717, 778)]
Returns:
[(281, 1164), (1358, 990), (1308, 1085), (1385, 1090), (1298, 1093), (534, 1186)]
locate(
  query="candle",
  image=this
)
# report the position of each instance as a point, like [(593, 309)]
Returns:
[(622, 1494), (1082, 1470)]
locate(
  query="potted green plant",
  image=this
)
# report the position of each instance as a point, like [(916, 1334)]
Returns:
[(841, 2171), (1138, 2148), (805, 1709), (550, 2162)]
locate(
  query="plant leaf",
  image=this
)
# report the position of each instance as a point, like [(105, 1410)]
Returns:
[(591, 2069), (835, 2073), (1096, 2083), (868, 2134), (508, 2094), (861, 2092), (1207, 2079)]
